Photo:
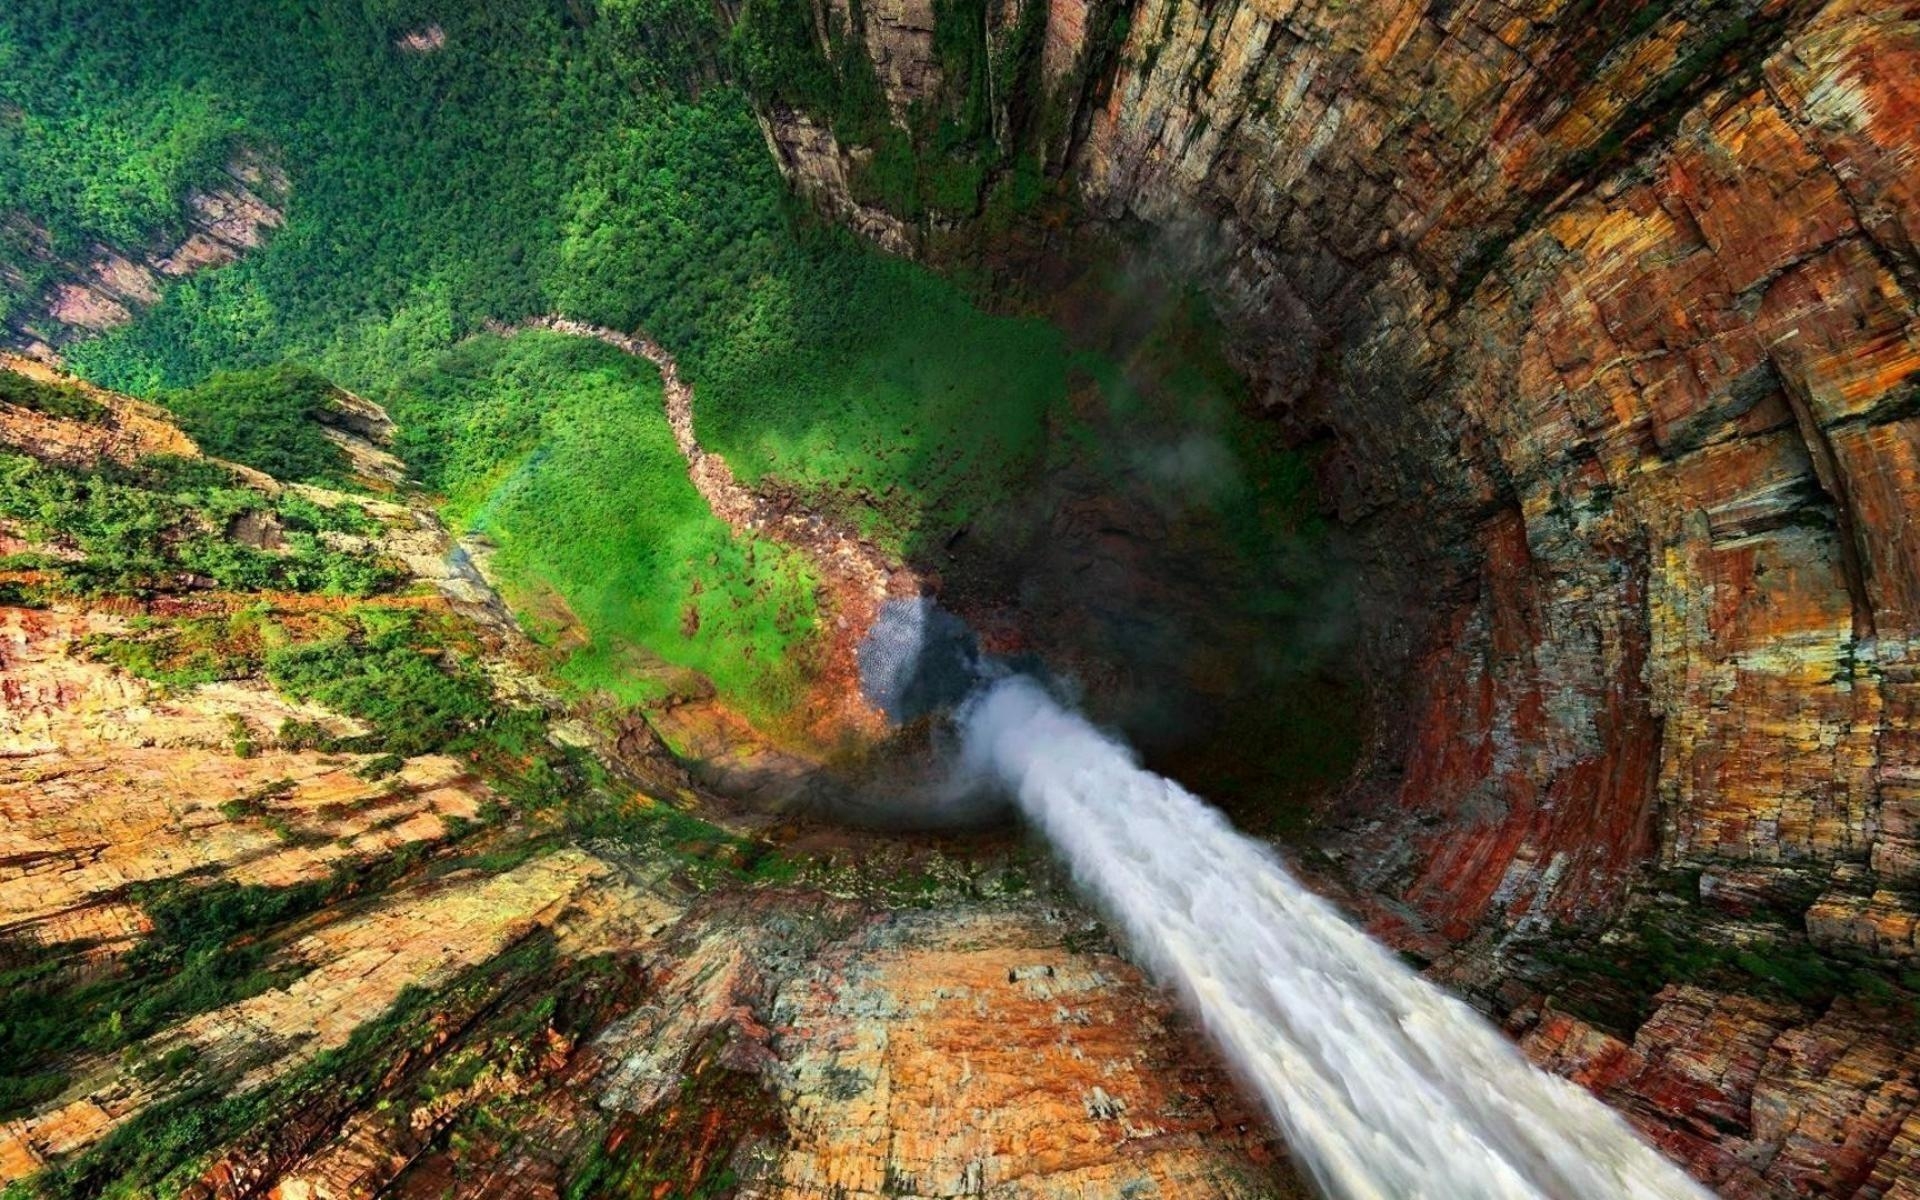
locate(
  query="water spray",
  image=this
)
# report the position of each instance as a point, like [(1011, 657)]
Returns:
[(1386, 1087)]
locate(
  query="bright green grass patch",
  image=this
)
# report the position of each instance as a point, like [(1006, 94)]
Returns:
[(558, 450)]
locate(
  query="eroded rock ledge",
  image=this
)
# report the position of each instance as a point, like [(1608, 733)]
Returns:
[(436, 991)]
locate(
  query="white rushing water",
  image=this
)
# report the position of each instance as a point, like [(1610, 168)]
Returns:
[(1386, 1087)]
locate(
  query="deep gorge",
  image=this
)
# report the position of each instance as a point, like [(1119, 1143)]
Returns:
[(1469, 441)]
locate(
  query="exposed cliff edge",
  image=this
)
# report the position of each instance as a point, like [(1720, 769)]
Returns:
[(53, 300), (1607, 312), (1601, 317)]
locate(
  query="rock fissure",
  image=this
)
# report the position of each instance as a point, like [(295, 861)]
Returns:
[(1826, 470)]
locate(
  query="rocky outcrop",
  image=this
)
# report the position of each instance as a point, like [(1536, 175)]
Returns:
[(1618, 300), (812, 159), (126, 431), (109, 781), (898, 38), (427, 39), (436, 992), (1695, 385), (107, 784), (108, 285), (1083, 1080), (822, 1050)]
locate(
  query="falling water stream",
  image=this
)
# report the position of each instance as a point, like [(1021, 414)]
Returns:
[(1386, 1087)]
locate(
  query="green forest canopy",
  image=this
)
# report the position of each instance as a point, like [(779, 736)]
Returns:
[(584, 157)]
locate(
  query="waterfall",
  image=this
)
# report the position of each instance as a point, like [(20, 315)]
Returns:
[(1386, 1087)]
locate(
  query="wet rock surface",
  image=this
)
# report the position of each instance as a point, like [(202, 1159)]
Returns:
[(917, 659)]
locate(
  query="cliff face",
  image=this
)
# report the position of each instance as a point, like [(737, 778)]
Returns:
[(1617, 299), (1605, 314), (1607, 311), (72, 297), (1762, 1098)]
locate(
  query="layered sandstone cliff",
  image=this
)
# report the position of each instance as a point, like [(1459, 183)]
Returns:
[(1618, 297), (1607, 313)]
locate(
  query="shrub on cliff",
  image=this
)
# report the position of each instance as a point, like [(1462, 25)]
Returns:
[(53, 399), (136, 529), (390, 673), (267, 419)]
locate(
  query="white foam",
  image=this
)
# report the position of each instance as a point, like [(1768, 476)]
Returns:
[(1386, 1087)]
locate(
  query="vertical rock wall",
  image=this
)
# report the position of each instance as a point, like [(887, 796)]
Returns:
[(1609, 310)]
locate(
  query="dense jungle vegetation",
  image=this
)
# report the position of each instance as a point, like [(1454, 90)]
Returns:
[(587, 158), (119, 530)]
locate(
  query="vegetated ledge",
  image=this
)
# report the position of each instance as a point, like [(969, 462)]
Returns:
[(58, 298)]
